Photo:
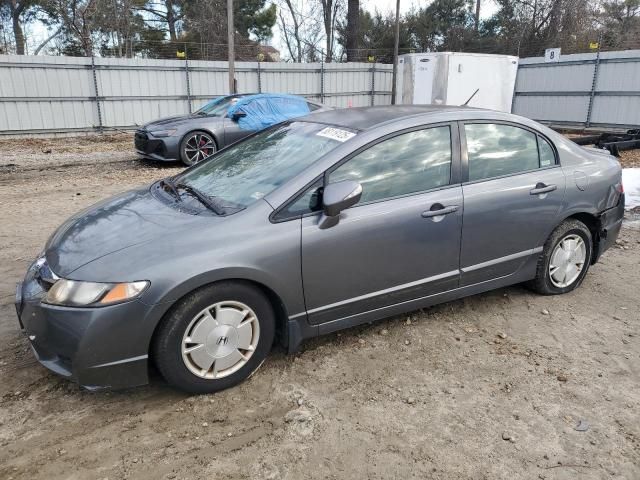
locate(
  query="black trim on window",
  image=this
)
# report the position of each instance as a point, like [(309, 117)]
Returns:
[(282, 215)]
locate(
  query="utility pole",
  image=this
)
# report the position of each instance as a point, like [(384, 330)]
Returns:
[(232, 50), (396, 44)]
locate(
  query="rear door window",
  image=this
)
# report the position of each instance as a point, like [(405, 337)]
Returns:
[(495, 150)]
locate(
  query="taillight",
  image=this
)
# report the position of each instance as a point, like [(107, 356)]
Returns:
[(620, 187)]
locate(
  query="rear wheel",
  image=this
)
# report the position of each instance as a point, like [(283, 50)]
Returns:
[(215, 337), (565, 260), (196, 146)]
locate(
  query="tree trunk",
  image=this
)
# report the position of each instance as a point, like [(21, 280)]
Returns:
[(327, 14), (18, 34), (171, 21), (477, 26), (353, 34)]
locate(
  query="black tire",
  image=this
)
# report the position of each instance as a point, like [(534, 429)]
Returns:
[(543, 283), (209, 148), (167, 342)]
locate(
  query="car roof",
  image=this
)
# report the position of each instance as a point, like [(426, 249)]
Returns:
[(365, 118)]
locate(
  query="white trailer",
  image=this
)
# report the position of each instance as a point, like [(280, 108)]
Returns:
[(451, 78)]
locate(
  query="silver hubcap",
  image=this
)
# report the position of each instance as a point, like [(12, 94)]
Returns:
[(199, 147), (220, 339), (567, 261)]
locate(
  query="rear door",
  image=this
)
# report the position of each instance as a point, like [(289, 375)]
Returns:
[(512, 197), (401, 241)]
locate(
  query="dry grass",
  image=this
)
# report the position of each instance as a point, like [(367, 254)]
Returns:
[(80, 144)]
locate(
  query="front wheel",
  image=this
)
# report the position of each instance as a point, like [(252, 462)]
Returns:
[(565, 259), (215, 337), (196, 147)]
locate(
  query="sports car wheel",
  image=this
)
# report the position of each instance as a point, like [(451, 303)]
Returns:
[(215, 337), (196, 146)]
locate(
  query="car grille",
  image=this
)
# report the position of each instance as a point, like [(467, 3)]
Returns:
[(140, 140)]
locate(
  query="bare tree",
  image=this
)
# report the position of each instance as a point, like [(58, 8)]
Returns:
[(330, 12), (80, 20), (353, 30), (301, 28), (47, 40), (166, 11), (291, 36)]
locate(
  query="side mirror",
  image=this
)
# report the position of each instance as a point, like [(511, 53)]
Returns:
[(238, 115), (337, 197)]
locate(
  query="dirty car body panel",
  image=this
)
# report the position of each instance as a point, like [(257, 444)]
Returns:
[(386, 255)]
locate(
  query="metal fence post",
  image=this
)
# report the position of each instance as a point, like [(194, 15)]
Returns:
[(95, 87), (594, 82), (373, 84), (259, 79), (322, 79), (515, 87), (186, 72)]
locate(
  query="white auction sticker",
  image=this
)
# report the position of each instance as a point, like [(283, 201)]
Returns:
[(336, 134)]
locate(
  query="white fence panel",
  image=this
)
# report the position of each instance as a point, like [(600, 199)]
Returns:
[(581, 90), (42, 95)]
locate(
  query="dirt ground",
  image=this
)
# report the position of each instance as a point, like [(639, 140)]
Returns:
[(506, 384)]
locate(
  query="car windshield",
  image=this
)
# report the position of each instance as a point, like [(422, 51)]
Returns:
[(249, 170), (217, 107)]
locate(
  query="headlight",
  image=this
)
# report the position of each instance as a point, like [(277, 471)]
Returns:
[(163, 133), (84, 294)]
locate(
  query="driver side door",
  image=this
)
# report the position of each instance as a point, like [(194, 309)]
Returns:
[(401, 242)]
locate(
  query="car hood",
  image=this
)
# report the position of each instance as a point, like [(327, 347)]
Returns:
[(118, 223), (175, 121)]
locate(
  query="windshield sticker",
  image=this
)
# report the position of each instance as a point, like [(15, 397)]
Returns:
[(336, 134)]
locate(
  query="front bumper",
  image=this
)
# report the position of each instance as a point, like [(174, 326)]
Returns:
[(95, 347), (610, 224), (164, 149)]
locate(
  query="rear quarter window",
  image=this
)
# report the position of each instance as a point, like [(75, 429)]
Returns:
[(547, 155)]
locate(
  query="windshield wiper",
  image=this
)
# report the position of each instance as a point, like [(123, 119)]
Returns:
[(207, 201), (168, 183)]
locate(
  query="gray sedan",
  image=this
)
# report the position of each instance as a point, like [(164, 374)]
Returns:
[(318, 224), (194, 137)]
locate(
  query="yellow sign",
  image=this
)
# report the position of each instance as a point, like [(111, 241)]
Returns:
[(594, 45), (180, 54), (371, 59)]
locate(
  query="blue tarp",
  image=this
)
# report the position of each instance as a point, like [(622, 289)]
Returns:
[(265, 109)]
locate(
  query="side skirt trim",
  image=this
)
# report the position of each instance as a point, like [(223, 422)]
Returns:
[(386, 291), (496, 261)]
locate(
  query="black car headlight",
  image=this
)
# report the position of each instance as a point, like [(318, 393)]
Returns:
[(74, 293)]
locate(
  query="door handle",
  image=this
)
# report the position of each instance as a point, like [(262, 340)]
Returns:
[(438, 210), (542, 188)]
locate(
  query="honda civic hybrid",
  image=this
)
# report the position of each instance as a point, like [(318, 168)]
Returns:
[(317, 224)]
